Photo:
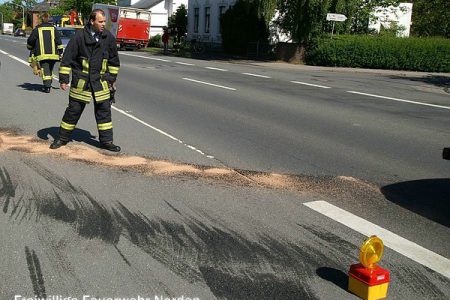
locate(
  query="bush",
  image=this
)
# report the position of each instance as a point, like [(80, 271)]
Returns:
[(381, 52), (155, 41)]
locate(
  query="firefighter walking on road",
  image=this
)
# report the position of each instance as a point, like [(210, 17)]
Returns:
[(46, 48), (92, 58)]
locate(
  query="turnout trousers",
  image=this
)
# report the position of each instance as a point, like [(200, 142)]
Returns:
[(73, 113), (47, 71)]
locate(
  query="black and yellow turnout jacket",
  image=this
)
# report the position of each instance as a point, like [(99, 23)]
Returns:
[(93, 64), (45, 42)]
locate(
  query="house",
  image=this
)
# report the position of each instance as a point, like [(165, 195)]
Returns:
[(40, 8), (204, 19), (161, 10)]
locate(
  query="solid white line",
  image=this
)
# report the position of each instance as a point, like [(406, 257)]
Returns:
[(400, 100), (14, 57), (161, 131), (310, 84), (401, 245), (183, 63), (211, 84), (217, 69), (256, 75), (146, 57)]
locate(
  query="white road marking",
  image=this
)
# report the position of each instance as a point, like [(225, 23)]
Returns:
[(310, 84), (211, 84), (401, 245), (217, 69), (161, 132), (183, 63), (146, 57), (400, 100), (132, 117), (256, 75)]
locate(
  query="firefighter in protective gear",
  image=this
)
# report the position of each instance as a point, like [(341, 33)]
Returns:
[(92, 58), (46, 49)]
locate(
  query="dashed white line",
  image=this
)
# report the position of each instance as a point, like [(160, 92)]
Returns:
[(211, 84), (397, 243), (183, 63), (310, 84), (256, 75), (217, 69), (399, 100), (146, 57)]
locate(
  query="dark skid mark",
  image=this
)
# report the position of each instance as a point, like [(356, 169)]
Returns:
[(59, 182), (7, 189), (173, 208), (34, 267)]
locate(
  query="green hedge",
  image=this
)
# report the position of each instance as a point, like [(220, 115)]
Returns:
[(381, 52)]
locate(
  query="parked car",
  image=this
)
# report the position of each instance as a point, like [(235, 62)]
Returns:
[(20, 32), (66, 34)]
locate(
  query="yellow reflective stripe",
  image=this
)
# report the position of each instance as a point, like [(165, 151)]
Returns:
[(60, 46), (41, 40), (104, 85), (80, 84), (65, 70), (52, 35), (81, 92), (102, 98), (47, 57), (104, 65), (105, 126), (79, 97), (113, 70), (67, 126), (85, 64), (30, 59), (47, 77)]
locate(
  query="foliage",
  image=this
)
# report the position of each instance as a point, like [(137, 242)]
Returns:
[(82, 6), (304, 19), (155, 41), (431, 18), (381, 52), (241, 25), (178, 21), (7, 12)]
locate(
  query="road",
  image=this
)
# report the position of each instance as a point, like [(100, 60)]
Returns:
[(238, 180)]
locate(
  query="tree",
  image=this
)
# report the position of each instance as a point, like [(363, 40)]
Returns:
[(82, 6), (304, 19), (241, 25), (178, 21), (431, 18)]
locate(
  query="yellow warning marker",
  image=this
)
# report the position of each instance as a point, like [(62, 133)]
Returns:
[(367, 280)]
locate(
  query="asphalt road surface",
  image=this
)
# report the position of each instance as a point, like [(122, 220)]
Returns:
[(237, 180)]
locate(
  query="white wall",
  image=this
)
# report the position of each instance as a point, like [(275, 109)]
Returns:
[(160, 12), (214, 29), (214, 34)]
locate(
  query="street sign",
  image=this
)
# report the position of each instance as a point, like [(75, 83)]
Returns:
[(336, 17)]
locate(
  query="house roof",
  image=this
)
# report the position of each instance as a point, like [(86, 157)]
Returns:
[(44, 6)]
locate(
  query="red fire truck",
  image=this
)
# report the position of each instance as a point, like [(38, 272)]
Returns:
[(130, 26)]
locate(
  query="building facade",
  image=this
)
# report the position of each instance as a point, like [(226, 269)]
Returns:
[(204, 19)]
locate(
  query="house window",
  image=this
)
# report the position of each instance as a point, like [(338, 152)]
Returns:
[(196, 19), (207, 18), (221, 12)]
